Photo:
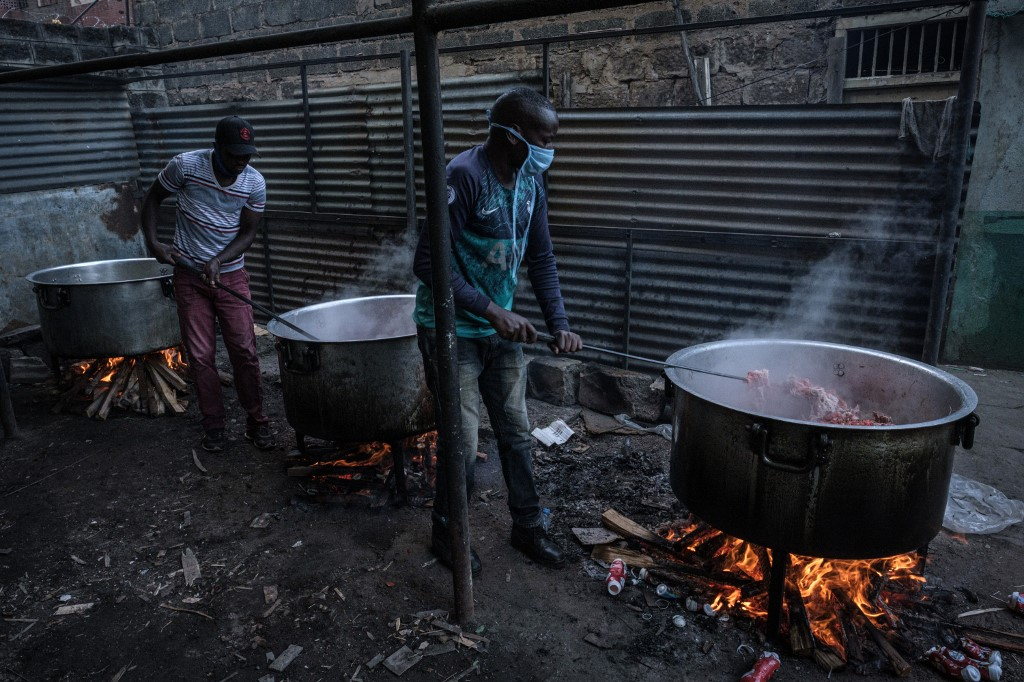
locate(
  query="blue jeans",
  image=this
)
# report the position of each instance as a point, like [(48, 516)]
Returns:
[(493, 371)]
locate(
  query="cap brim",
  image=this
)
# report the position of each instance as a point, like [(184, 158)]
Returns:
[(240, 149)]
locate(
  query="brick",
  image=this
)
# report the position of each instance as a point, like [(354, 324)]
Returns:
[(215, 24), (760, 8), (280, 13), (546, 31), (87, 52), (315, 10), (618, 391), (598, 25), (717, 12), (554, 380), (23, 30), (246, 18), (186, 31), (663, 18), (15, 52), (55, 54)]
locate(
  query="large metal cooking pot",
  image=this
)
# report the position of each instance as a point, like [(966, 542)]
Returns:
[(761, 470), (363, 381), (108, 308)]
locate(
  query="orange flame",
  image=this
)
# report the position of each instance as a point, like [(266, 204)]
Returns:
[(815, 578)]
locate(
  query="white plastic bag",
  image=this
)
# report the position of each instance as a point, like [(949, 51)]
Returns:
[(974, 507), (663, 430)]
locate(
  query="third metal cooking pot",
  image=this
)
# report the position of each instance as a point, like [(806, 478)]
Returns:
[(363, 380), (763, 471), (109, 308)]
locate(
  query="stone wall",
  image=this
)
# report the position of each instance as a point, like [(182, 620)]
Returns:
[(776, 63)]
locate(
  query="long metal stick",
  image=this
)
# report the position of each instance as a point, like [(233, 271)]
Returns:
[(549, 339), (192, 268)]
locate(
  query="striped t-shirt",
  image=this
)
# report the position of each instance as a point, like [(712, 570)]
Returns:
[(208, 214)]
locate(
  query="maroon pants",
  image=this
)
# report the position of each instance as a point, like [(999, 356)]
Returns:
[(199, 308)]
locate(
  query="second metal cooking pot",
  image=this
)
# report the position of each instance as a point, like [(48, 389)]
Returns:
[(104, 309), (758, 468), (363, 380)]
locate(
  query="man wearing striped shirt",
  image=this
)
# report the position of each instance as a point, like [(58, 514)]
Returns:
[(220, 198)]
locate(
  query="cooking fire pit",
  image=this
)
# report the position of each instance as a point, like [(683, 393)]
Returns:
[(754, 465)]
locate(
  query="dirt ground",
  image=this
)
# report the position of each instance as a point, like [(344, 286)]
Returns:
[(100, 512)]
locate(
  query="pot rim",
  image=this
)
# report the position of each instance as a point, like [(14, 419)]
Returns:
[(969, 399), (37, 276), (280, 331)]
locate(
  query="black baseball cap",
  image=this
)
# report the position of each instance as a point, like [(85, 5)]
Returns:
[(236, 136)]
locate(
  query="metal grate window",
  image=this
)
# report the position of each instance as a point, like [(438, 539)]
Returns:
[(921, 48)]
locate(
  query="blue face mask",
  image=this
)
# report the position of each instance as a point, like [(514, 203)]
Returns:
[(537, 160)]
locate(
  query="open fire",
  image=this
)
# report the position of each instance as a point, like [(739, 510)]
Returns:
[(149, 384), (818, 590), (377, 470)]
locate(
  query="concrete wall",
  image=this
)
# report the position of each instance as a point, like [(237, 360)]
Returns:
[(51, 228), (643, 71), (57, 227), (986, 325)]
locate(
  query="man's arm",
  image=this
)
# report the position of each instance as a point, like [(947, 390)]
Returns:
[(150, 211), (248, 222), (543, 272)]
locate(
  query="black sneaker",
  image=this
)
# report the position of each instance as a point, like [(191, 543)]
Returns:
[(260, 436), (441, 546), (537, 545), (213, 440)]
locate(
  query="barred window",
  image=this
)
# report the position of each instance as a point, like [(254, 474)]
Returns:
[(933, 47)]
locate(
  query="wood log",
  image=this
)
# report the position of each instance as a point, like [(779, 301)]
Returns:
[(97, 401), (631, 557), (827, 659), (163, 389), (102, 365), (1006, 641), (158, 362), (335, 471), (77, 386), (627, 528), (854, 651), (801, 639), (897, 661), (124, 371)]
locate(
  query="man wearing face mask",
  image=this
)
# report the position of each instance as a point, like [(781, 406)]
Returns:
[(497, 204), (220, 198)]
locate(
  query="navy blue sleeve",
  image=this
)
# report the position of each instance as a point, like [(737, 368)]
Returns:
[(543, 271), (462, 192)]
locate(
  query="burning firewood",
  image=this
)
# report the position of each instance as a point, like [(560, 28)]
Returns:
[(149, 384), (897, 661)]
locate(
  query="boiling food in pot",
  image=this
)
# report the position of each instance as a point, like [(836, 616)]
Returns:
[(825, 406)]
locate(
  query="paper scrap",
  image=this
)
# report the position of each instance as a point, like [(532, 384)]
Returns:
[(555, 433)]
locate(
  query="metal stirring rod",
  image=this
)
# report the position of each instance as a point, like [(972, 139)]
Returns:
[(549, 339)]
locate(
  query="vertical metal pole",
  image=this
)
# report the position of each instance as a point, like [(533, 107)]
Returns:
[(628, 297), (428, 77), (959, 137), (266, 264), (410, 141), (546, 70), (7, 420), (694, 81), (308, 124)]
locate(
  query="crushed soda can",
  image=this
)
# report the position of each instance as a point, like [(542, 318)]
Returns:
[(1015, 602), (693, 605), (664, 592), (679, 620), (954, 664), (979, 652), (616, 577), (763, 669), (710, 611)]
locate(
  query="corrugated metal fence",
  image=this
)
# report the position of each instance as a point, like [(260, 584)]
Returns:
[(672, 226), (65, 134), (675, 227)]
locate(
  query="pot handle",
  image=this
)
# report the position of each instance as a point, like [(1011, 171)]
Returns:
[(61, 294), (817, 453), (167, 287), (964, 435), (302, 362)]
